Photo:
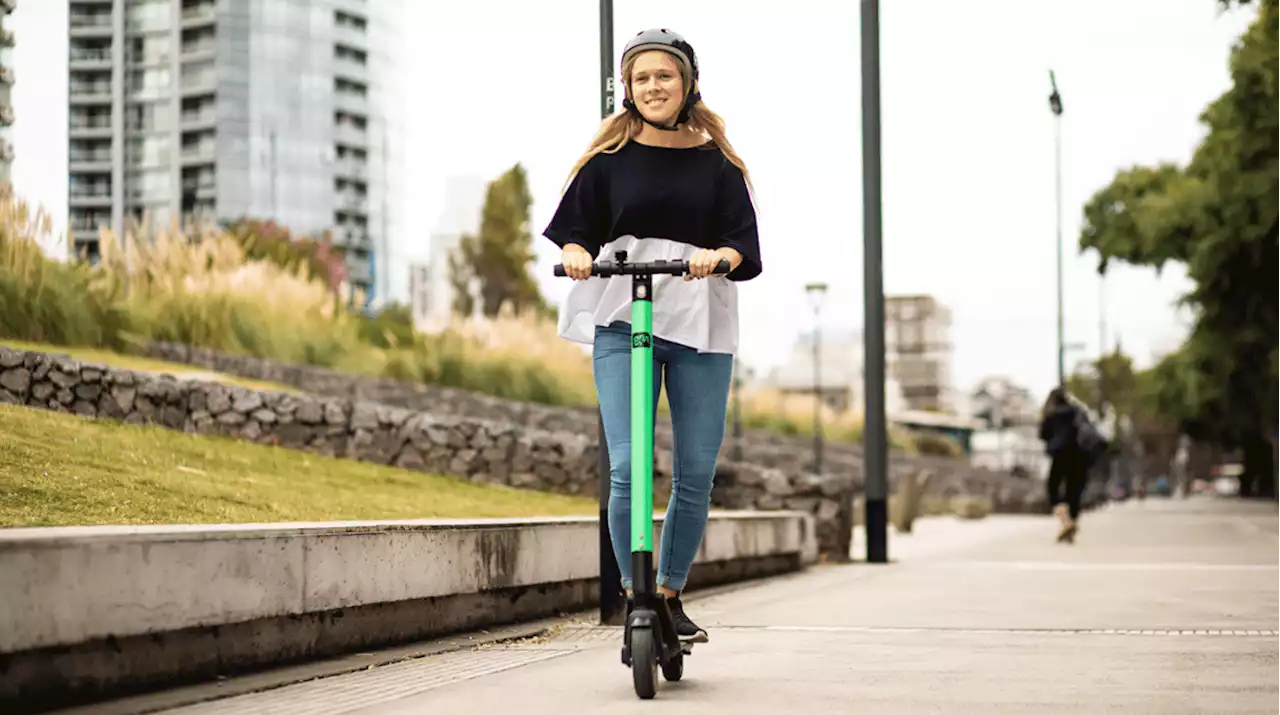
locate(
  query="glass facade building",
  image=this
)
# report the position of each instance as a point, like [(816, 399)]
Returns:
[(199, 110), (6, 93)]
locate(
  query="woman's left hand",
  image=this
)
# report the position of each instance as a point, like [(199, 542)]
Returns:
[(705, 261)]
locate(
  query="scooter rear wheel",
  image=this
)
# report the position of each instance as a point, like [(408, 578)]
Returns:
[(644, 662)]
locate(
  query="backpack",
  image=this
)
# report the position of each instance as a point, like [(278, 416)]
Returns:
[(1088, 438)]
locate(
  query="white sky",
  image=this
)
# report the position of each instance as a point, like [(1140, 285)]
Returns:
[(967, 153)]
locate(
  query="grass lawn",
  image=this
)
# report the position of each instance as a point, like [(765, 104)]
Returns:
[(58, 469), (141, 364)]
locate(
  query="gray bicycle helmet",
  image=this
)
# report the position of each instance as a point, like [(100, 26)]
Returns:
[(672, 43)]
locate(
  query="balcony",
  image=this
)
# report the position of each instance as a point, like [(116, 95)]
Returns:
[(92, 126), (206, 187), (90, 58), (199, 50), (90, 92), (159, 158), (359, 271), (90, 161), (137, 195), (157, 23), (350, 135), (143, 93), (199, 16), (351, 169), (348, 202), (197, 83), (90, 24), (90, 197), (351, 69), (199, 120), (89, 223), (351, 36), (198, 154), (351, 103)]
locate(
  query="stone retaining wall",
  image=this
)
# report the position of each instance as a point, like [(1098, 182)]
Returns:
[(479, 448), (789, 453)]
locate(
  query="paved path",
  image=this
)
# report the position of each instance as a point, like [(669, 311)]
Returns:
[(1160, 607)]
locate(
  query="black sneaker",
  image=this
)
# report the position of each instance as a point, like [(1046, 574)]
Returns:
[(685, 627)]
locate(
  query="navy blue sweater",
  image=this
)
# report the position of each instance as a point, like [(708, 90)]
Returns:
[(694, 196)]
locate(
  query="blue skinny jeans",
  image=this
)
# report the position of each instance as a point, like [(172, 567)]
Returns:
[(698, 394)]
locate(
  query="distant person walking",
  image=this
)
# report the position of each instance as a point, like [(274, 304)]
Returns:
[(1180, 468), (1072, 443)]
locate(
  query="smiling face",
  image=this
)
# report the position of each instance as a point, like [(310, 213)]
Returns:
[(657, 87)]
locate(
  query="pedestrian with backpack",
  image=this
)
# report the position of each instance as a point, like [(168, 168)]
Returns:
[(1073, 444)]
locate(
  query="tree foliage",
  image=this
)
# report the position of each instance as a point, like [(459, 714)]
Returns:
[(1217, 216), (270, 241), (499, 254), (1114, 374)]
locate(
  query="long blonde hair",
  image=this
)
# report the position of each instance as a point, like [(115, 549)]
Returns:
[(618, 130)]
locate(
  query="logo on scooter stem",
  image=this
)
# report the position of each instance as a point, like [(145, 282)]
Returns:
[(641, 340)]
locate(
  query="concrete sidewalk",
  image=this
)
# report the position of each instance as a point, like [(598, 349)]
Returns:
[(1159, 607)]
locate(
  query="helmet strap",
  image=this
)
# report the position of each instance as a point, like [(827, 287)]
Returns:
[(686, 110)]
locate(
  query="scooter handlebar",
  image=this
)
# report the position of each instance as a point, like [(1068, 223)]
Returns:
[(678, 267)]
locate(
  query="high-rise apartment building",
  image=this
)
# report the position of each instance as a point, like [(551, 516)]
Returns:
[(6, 93), (215, 110)]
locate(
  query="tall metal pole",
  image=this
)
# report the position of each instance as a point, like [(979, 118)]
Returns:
[(875, 432), (612, 598), (1055, 104), (1102, 341)]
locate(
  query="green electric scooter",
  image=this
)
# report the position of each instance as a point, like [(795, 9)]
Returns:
[(650, 641)]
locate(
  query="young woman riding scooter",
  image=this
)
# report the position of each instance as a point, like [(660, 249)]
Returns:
[(661, 182)]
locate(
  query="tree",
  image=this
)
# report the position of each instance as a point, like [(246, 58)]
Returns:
[(499, 254), (270, 241), (1218, 217), (1119, 383)]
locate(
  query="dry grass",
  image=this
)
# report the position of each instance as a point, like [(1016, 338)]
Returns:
[(202, 290)]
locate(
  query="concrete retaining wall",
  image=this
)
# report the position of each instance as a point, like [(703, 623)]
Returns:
[(90, 611)]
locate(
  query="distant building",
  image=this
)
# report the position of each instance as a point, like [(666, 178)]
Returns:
[(7, 79), (204, 111), (840, 369), (419, 294), (1009, 437), (433, 298), (918, 351)]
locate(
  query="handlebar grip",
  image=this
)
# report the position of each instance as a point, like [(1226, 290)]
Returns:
[(559, 269), (722, 267)]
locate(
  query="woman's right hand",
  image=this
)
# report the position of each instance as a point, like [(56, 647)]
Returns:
[(576, 262)]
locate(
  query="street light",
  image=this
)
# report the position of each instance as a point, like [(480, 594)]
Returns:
[(1055, 105), (817, 292), (875, 436)]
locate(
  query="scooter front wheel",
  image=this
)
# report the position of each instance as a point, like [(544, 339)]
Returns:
[(673, 669), (644, 662)]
